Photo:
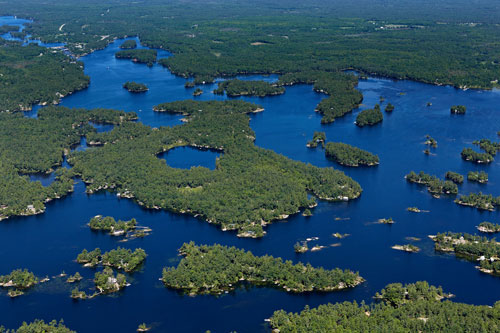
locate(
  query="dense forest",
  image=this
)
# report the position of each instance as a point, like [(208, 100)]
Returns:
[(215, 269), (128, 44), (434, 185), (119, 258), (410, 308), (33, 74), (143, 56), (469, 154), (237, 87), (369, 117), (249, 188), (479, 201), (39, 326), (348, 155), (135, 87)]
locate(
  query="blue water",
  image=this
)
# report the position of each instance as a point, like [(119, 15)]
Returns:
[(188, 157), (49, 243)]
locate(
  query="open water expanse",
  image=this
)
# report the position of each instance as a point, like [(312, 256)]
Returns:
[(49, 243)]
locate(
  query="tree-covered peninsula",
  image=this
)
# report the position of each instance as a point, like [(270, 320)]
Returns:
[(119, 258), (477, 249), (33, 74), (215, 269), (410, 308), (348, 155), (237, 87), (434, 185), (341, 88), (38, 146), (249, 188), (369, 117), (143, 56), (135, 87)]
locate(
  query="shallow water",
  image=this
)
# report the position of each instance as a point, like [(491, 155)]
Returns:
[(49, 243)]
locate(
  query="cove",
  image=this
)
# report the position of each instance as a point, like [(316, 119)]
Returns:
[(49, 243), (188, 157)]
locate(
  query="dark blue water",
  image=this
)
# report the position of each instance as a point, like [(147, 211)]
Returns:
[(188, 157), (49, 243)]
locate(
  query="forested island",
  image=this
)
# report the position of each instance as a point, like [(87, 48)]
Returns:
[(40, 326), (129, 166), (479, 200), (108, 223), (237, 87), (434, 185), (488, 146), (38, 146), (215, 269), (389, 107), (135, 87), (119, 258), (488, 227), (477, 176), (128, 44), (369, 117), (469, 154), (471, 247), (430, 141), (409, 308), (143, 56), (17, 281), (454, 177), (318, 138), (348, 155), (458, 109)]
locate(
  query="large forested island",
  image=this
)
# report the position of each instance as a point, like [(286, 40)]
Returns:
[(410, 308), (349, 155), (250, 88), (129, 166), (215, 269)]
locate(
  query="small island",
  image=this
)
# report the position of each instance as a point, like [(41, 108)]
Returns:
[(237, 87), (143, 56), (307, 212), (135, 87), (369, 117), (74, 278), (17, 281), (348, 155), (119, 258), (318, 138), (339, 235), (435, 186), (189, 84), (430, 141), (477, 176), (216, 269), (143, 328), (458, 109), (488, 146), (128, 44), (488, 227), (469, 154), (454, 177), (406, 248), (107, 282), (128, 229), (389, 107), (479, 200), (386, 221), (197, 92), (301, 247), (413, 209), (471, 247)]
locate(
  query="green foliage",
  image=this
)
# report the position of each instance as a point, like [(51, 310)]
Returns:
[(33, 74), (119, 258), (143, 56), (39, 326), (477, 176), (488, 146), (470, 155), (107, 282), (18, 278), (431, 141), (237, 87), (411, 308), (250, 186), (488, 227), (216, 268), (454, 177), (129, 44), (197, 92), (135, 87), (389, 107), (434, 185), (479, 201), (349, 155), (74, 278), (108, 223), (8, 28), (318, 137), (458, 109), (369, 117)]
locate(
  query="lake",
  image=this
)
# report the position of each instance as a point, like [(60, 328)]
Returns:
[(49, 243)]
